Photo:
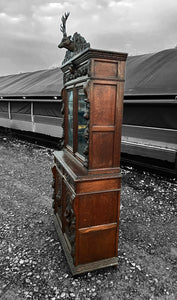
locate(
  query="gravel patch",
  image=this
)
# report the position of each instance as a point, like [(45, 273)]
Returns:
[(32, 262)]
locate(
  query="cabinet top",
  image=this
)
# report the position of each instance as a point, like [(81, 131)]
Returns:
[(88, 53)]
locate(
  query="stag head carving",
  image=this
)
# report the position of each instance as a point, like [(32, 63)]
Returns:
[(66, 41)]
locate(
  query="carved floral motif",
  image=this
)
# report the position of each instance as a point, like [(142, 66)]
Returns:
[(59, 166), (54, 187), (87, 117), (69, 180), (70, 218), (63, 123), (57, 186), (77, 72)]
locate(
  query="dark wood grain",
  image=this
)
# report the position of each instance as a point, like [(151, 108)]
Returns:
[(90, 215), (97, 243), (87, 188)]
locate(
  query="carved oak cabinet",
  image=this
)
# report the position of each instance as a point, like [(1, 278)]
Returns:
[(87, 178)]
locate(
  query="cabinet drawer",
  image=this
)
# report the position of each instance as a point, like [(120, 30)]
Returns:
[(97, 243), (98, 208)]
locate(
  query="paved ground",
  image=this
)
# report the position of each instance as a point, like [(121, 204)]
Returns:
[(32, 263)]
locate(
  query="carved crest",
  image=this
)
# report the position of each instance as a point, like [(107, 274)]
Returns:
[(74, 44), (66, 41)]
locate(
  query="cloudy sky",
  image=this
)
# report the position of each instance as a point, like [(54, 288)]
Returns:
[(29, 29)]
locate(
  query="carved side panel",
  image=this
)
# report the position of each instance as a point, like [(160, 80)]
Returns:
[(54, 188), (69, 180), (63, 123), (87, 117), (70, 220), (57, 193)]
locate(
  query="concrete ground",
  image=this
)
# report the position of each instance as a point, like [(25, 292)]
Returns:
[(32, 263)]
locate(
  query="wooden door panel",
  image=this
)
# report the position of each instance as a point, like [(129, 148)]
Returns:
[(105, 69), (102, 149), (104, 100), (97, 243), (98, 208)]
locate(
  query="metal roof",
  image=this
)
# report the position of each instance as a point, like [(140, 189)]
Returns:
[(38, 83), (152, 74), (148, 74)]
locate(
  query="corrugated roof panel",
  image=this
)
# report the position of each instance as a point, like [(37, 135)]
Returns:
[(45, 82), (145, 74), (152, 73)]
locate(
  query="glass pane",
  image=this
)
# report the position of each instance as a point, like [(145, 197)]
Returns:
[(70, 119), (81, 121)]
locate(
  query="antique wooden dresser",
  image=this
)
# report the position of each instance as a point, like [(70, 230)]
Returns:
[(87, 178)]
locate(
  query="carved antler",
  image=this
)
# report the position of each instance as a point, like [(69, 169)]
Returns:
[(63, 25), (66, 41)]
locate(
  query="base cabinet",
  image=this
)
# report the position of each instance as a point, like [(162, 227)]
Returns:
[(86, 210)]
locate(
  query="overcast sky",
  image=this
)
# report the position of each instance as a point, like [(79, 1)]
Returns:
[(29, 29)]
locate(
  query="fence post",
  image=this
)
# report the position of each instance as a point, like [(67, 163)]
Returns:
[(9, 112), (32, 113), (176, 164), (32, 116)]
